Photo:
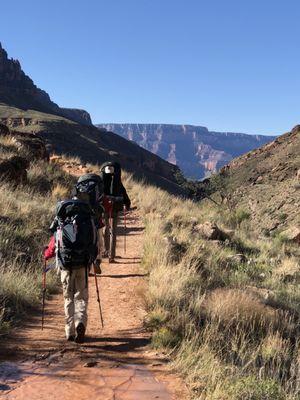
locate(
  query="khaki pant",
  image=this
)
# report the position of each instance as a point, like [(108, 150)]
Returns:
[(100, 244), (110, 233), (75, 291)]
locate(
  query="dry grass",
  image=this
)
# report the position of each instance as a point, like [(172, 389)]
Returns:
[(225, 310), (60, 192), (8, 147), (237, 306)]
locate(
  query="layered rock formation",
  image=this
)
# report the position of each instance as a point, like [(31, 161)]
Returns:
[(18, 90), (197, 151), (91, 145)]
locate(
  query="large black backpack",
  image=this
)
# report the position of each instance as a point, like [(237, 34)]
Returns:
[(76, 235), (89, 188)]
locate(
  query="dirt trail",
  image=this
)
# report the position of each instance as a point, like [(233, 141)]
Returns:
[(114, 363)]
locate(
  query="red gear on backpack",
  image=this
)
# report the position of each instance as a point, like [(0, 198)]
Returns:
[(50, 249)]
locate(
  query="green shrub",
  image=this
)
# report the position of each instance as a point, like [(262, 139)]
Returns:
[(282, 217), (236, 217), (164, 337), (242, 215), (252, 388), (156, 318)]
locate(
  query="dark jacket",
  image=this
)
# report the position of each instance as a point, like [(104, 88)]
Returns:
[(113, 186)]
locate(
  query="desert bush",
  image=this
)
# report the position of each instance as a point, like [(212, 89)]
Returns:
[(237, 217), (156, 318), (252, 388), (164, 337)]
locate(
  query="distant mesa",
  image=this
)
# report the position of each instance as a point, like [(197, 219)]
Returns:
[(18, 90), (197, 151)]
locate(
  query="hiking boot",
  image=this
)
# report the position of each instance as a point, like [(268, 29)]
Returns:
[(97, 268), (105, 254), (80, 332), (70, 338)]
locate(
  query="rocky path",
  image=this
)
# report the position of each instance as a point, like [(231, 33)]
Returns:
[(115, 363)]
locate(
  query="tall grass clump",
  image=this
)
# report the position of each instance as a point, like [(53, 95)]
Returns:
[(226, 309)]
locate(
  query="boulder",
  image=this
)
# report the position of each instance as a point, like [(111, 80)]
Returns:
[(28, 144), (292, 234), (210, 231), (32, 147)]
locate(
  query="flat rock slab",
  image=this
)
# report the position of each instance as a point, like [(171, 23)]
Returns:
[(129, 382)]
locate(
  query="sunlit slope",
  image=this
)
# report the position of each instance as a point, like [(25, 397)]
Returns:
[(265, 182), (67, 137)]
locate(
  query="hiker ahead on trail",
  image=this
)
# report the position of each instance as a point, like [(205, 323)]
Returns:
[(75, 245), (115, 200), (89, 188)]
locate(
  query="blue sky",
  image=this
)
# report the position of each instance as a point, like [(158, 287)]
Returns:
[(230, 65)]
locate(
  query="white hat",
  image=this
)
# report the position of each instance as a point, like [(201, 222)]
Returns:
[(109, 169)]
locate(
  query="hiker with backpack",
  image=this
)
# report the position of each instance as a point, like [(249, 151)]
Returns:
[(75, 245), (89, 188), (115, 200)]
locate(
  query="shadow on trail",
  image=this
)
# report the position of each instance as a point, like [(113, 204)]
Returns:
[(122, 262), (130, 229), (128, 258), (121, 344), (124, 276)]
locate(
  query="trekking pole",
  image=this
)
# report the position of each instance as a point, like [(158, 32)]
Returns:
[(44, 292), (98, 296), (110, 227), (125, 228)]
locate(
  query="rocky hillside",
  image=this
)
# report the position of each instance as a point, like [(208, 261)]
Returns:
[(17, 152), (64, 136), (28, 109), (266, 182), (18, 90), (197, 151)]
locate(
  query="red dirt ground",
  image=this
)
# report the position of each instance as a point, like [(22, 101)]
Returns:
[(115, 363)]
